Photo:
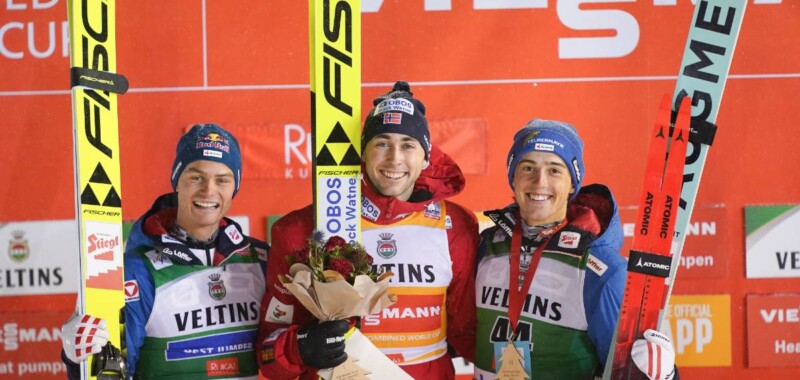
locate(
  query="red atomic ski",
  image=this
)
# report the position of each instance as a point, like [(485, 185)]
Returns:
[(650, 257)]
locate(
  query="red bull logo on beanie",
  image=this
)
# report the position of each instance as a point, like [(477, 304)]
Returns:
[(213, 141)]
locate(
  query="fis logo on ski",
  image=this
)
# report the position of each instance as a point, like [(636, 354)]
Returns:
[(387, 248), (216, 288)]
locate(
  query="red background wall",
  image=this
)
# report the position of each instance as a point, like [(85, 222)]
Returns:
[(500, 67)]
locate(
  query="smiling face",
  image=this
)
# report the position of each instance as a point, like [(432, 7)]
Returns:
[(205, 190), (393, 162), (542, 187)]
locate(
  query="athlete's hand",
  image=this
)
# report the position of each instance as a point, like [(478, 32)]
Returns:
[(321, 344), (654, 355), (83, 335)]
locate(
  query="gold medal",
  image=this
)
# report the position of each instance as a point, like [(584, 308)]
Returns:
[(512, 366)]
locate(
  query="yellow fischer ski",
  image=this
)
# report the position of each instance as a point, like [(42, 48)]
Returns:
[(97, 173), (335, 59)]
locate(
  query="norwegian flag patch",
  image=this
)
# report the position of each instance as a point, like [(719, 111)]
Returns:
[(392, 118)]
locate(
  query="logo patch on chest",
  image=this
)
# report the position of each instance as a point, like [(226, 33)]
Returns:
[(433, 211), (387, 247), (216, 288), (569, 240)]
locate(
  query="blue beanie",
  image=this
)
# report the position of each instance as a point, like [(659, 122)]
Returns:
[(208, 142), (553, 137), (397, 112)]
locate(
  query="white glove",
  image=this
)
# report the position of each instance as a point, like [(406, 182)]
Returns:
[(654, 355), (83, 335)]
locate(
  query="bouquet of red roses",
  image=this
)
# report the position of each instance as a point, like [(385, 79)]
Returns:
[(334, 279)]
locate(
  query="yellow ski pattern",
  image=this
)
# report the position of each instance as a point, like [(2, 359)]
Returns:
[(335, 58), (97, 167)]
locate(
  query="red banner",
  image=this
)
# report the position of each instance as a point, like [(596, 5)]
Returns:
[(773, 330), (705, 251), (29, 343)]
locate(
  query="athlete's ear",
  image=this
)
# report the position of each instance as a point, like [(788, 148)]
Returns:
[(425, 164), (572, 190)]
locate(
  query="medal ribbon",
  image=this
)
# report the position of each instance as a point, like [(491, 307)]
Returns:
[(516, 293)]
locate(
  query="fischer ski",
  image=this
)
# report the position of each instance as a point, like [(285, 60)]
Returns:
[(703, 73), (98, 205), (335, 60), (649, 260)]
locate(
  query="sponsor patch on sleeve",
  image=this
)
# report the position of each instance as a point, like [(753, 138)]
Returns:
[(267, 354), (131, 288), (433, 211), (597, 266), (234, 234), (158, 260), (279, 312)]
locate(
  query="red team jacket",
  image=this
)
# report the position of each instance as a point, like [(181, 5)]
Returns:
[(283, 315)]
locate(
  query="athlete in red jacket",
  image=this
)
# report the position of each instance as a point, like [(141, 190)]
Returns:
[(427, 242)]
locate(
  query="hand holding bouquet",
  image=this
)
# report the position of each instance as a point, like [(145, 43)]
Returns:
[(335, 280)]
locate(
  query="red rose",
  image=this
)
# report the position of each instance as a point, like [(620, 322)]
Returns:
[(368, 258), (301, 256), (344, 267), (335, 242)]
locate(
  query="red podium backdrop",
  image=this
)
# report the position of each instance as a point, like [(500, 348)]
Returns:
[(483, 68)]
